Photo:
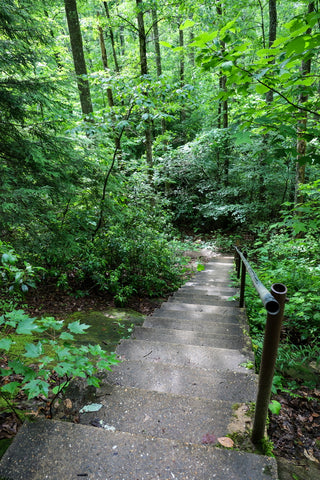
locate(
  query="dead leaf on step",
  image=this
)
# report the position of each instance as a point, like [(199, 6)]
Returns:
[(226, 442), (209, 439)]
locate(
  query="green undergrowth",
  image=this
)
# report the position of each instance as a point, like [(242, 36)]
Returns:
[(290, 254)]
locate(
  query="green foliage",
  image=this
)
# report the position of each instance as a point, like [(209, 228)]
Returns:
[(15, 275), (217, 181), (37, 348), (295, 263)]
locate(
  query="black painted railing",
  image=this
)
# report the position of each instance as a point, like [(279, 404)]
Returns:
[(273, 301)]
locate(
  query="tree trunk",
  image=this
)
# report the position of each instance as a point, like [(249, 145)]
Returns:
[(223, 117), (104, 58), (158, 55), (156, 41), (301, 141), (113, 46), (78, 56), (144, 72), (269, 99), (272, 35), (182, 73)]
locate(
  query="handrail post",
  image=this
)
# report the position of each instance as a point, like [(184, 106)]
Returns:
[(268, 361), (242, 284), (237, 260)]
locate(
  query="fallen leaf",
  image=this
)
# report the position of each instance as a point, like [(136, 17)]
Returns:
[(67, 403), (209, 439), (93, 407), (226, 442)]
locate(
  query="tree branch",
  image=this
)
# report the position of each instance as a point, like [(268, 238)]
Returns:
[(104, 190), (295, 105)]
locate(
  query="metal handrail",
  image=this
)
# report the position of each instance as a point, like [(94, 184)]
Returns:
[(274, 304), (268, 300)]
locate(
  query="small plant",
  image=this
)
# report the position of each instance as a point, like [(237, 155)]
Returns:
[(42, 355)]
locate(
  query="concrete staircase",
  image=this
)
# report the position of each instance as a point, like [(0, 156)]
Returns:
[(182, 373)]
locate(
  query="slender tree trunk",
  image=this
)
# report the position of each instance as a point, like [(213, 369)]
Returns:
[(113, 45), (223, 116), (182, 72), (158, 54), (156, 41), (122, 41), (78, 56), (144, 72), (191, 54), (269, 95), (104, 58), (301, 141), (272, 36)]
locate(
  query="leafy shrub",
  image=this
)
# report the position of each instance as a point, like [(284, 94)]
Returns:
[(15, 275), (37, 348), (295, 263)]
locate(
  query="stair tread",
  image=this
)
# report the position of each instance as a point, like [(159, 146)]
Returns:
[(163, 415), (56, 450), (207, 357), (182, 380)]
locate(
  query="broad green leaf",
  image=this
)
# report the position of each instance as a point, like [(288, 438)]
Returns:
[(18, 367), (261, 88), (10, 387), (95, 349), (66, 336), (9, 258), (275, 407), (94, 381), (36, 387), (104, 365), (204, 38), (5, 344), (296, 45), (200, 267), (63, 353), (77, 327), (27, 326), (165, 44), (33, 350), (187, 24)]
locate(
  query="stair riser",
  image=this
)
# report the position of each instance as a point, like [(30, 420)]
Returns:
[(188, 338), (193, 325)]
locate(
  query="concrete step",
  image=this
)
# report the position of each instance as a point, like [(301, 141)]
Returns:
[(190, 381), (209, 290), (52, 450), (209, 326), (206, 357), (201, 299), (223, 310), (162, 415), (221, 315), (189, 337)]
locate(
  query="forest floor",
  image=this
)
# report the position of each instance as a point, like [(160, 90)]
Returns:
[(295, 432)]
